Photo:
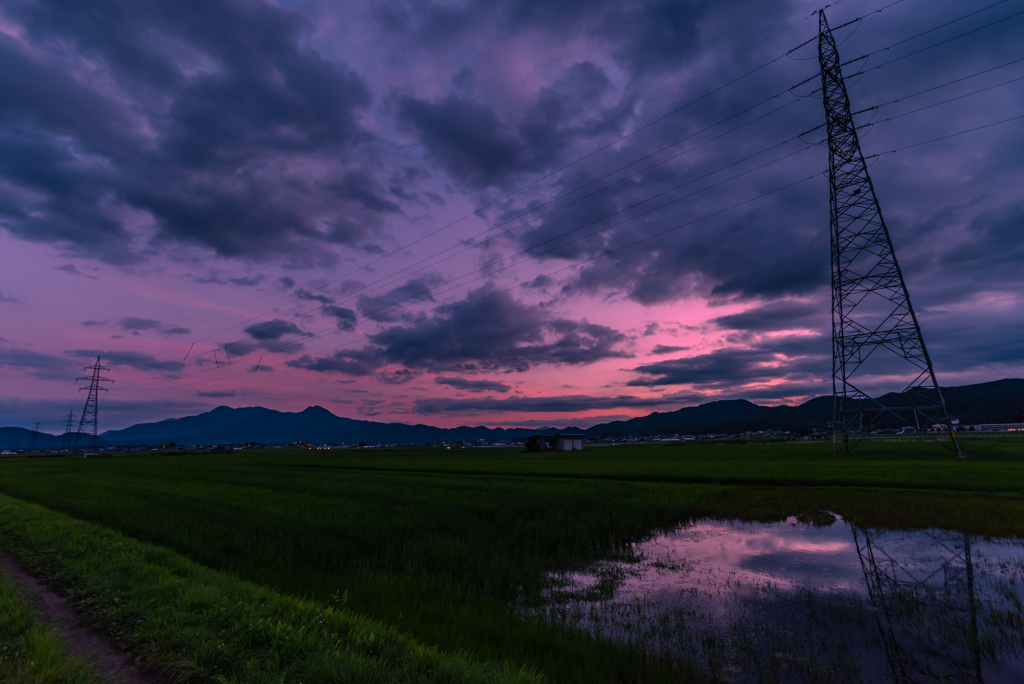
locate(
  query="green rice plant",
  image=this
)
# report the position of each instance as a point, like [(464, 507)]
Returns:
[(444, 558), (449, 545), (994, 464)]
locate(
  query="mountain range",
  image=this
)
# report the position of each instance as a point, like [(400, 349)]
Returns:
[(991, 402)]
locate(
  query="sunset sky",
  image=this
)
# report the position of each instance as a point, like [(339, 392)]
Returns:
[(493, 213)]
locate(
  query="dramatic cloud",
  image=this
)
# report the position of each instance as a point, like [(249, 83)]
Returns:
[(274, 330), (492, 331), (639, 179), (357, 363), (132, 359), (781, 315), (41, 366), (776, 359), (393, 306), (346, 318), (195, 151), (660, 349), (215, 393), (73, 270), (116, 412), (473, 385), (560, 404), (135, 325), (132, 323)]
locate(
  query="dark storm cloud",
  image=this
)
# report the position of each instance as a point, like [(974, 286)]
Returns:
[(8, 299), (132, 323), (781, 315), (247, 281), (467, 139), (398, 377), (559, 404), (73, 270), (132, 359), (345, 318), (473, 145), (490, 330), (347, 362), (215, 393), (393, 305), (40, 366), (135, 325), (660, 349), (776, 247), (303, 293), (473, 385), (776, 359), (189, 112), (274, 330), (114, 413)]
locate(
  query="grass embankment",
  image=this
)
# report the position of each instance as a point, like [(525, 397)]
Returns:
[(31, 652), (197, 624)]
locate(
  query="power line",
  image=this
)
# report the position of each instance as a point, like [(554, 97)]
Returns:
[(448, 309), (306, 314), (312, 312), (581, 135), (419, 295), (477, 245), (413, 297)]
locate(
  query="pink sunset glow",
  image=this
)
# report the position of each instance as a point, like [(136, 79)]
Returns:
[(502, 215)]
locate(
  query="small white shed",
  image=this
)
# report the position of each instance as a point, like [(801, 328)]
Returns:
[(570, 441)]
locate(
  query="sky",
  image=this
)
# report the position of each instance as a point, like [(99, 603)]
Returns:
[(493, 212)]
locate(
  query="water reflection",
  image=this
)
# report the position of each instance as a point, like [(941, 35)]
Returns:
[(812, 601)]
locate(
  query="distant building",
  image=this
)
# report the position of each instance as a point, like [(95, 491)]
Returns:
[(570, 441), (1001, 427), (561, 441)]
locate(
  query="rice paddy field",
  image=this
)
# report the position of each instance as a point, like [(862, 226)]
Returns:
[(460, 551)]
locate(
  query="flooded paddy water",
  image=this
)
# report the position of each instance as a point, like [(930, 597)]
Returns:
[(810, 601)]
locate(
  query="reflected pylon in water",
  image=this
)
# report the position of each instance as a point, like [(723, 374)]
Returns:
[(928, 628)]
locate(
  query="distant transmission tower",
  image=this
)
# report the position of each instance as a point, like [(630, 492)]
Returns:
[(68, 422), (89, 423), (33, 441), (875, 333)]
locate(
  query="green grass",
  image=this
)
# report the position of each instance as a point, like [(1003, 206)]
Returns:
[(443, 544), (31, 652)]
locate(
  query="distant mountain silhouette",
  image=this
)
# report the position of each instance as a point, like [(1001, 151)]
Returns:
[(1001, 401), (20, 438), (224, 425)]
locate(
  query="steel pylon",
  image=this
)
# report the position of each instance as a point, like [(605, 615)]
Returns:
[(875, 332), (89, 423)]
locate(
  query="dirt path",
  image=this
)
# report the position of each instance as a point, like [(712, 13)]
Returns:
[(113, 664)]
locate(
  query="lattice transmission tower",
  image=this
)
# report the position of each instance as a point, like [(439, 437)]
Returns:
[(89, 423), (875, 333), (67, 423)]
